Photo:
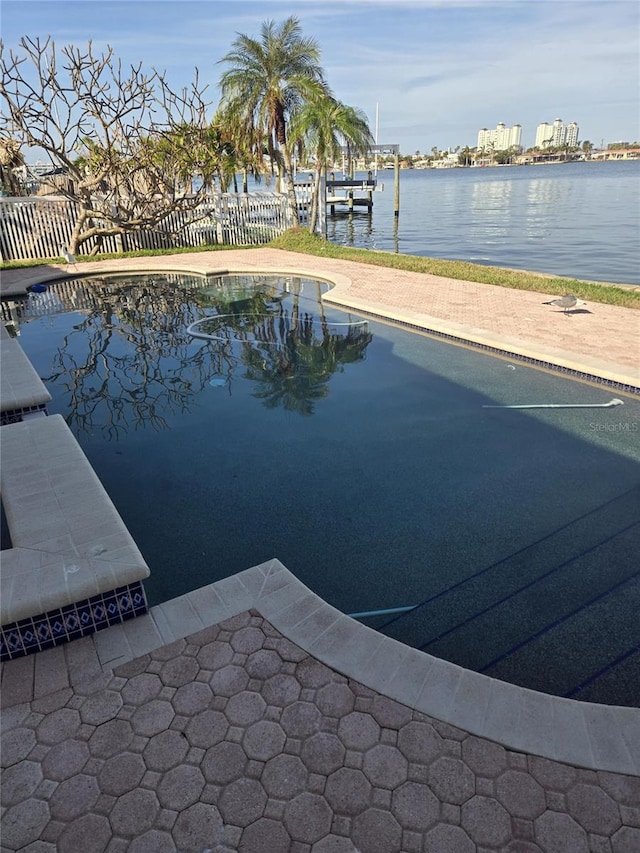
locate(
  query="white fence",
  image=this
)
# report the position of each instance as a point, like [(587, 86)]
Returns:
[(34, 228)]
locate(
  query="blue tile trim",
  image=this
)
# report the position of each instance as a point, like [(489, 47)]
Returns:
[(534, 362), (79, 619), (16, 415)]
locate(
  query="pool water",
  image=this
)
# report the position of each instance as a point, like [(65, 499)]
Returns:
[(363, 457)]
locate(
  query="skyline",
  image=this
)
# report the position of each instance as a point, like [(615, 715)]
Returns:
[(438, 70)]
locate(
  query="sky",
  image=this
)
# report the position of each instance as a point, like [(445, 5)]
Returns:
[(433, 71)]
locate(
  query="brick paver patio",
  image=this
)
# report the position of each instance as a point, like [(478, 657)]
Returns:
[(235, 739)]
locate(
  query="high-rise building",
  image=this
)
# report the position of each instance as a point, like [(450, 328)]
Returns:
[(500, 139), (556, 134)]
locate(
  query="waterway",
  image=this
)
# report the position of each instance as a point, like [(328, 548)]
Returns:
[(580, 220)]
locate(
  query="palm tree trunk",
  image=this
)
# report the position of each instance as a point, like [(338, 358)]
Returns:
[(315, 199), (291, 190)]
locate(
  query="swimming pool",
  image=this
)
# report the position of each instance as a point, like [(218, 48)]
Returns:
[(365, 458)]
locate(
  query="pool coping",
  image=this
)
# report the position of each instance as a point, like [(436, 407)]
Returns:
[(584, 734)]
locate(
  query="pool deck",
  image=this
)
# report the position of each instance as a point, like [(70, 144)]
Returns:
[(251, 716)]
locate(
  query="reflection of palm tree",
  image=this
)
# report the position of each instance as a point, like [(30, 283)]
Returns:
[(292, 365)]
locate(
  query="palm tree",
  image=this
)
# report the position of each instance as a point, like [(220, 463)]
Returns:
[(268, 79), (323, 125)]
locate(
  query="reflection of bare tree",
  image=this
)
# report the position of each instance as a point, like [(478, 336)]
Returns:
[(130, 363)]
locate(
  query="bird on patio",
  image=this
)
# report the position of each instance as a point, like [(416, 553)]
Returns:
[(565, 302)]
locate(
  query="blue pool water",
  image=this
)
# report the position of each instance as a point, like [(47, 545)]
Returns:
[(361, 455)]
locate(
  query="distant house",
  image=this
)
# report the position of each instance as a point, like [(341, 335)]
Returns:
[(617, 154)]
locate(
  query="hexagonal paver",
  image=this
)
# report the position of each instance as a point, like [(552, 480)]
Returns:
[(390, 714), (247, 640), (134, 813), (263, 740), (263, 835), (626, 840), (335, 700), (263, 664), (323, 753), (281, 690), (451, 780), (207, 729), (420, 743), (197, 828), (448, 839), (101, 707), (307, 818), (284, 777), (557, 833), (594, 809), (153, 841), (623, 789), (415, 806), (223, 763), (192, 698), (348, 791), (141, 689), (121, 773), (242, 802), (181, 787), (23, 823), (20, 781), (165, 750), (90, 833), (109, 738), (312, 673), (358, 731), (376, 831), (486, 821), (484, 757), (333, 844), (179, 671), (385, 766), (16, 744), (301, 720), (520, 794), (552, 774), (214, 655), (74, 797), (65, 759), (245, 708), (152, 718), (58, 726), (229, 680)]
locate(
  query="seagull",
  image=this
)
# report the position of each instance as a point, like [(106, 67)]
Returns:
[(565, 302), (66, 254)]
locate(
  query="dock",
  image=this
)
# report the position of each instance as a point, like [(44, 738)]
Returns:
[(349, 197)]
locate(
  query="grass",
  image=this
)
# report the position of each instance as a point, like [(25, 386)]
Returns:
[(299, 240)]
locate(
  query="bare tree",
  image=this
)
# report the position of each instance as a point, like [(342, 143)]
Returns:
[(128, 143), (11, 159)]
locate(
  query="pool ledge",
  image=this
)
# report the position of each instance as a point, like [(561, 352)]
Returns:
[(597, 737)]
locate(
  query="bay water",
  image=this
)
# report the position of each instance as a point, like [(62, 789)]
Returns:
[(576, 219)]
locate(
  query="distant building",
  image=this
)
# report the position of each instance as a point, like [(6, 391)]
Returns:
[(556, 134), (500, 139)]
